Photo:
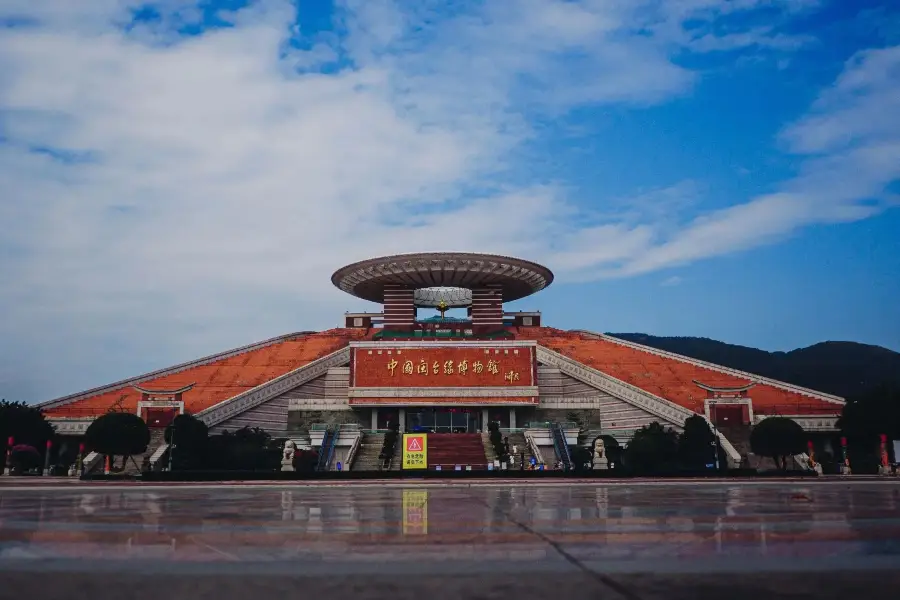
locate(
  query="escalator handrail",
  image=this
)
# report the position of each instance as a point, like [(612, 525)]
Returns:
[(561, 447), (331, 446), (323, 449)]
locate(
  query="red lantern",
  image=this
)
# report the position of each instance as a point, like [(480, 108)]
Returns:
[(843, 441), (80, 448), (11, 442), (809, 445), (49, 444)]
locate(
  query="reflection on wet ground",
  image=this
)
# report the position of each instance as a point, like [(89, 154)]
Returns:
[(678, 528)]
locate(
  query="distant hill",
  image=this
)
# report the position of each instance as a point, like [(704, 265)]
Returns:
[(843, 368)]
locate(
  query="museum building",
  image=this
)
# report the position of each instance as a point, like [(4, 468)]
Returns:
[(341, 389)]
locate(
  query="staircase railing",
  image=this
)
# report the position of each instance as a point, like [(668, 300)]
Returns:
[(354, 448), (560, 445), (535, 450)]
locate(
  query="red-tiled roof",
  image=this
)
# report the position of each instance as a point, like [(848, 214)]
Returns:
[(454, 401), (222, 379), (668, 377)]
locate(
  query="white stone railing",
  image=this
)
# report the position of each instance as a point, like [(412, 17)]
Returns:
[(158, 454), (719, 368), (167, 371), (351, 455), (254, 397), (534, 449), (655, 405)]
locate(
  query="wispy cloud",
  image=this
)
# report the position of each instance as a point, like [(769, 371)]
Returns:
[(164, 174), (671, 281)]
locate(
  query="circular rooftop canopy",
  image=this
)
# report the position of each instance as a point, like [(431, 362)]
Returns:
[(518, 278)]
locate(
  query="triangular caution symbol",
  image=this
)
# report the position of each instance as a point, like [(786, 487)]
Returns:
[(414, 445)]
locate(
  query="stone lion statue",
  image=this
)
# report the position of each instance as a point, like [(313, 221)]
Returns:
[(599, 449), (600, 461), (289, 448)]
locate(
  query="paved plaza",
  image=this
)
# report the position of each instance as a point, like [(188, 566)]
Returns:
[(629, 539)]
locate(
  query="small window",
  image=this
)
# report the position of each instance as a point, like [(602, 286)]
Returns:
[(526, 321), (357, 322)]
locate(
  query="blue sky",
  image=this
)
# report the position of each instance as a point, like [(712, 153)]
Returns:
[(179, 177)]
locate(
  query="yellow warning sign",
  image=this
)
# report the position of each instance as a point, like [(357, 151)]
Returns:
[(415, 512), (415, 451)]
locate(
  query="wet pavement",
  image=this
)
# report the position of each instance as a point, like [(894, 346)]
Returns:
[(615, 539)]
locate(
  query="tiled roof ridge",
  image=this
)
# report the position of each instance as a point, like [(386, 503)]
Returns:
[(49, 404), (712, 366)]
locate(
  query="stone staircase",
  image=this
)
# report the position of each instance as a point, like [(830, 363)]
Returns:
[(518, 439), (739, 436), (397, 460), (489, 455), (367, 456), (135, 464)]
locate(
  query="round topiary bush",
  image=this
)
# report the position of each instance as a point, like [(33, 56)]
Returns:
[(118, 434)]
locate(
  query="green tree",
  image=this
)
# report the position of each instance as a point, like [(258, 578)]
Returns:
[(653, 449), (697, 445), (26, 424), (247, 449), (778, 438), (191, 437), (613, 449), (117, 434)]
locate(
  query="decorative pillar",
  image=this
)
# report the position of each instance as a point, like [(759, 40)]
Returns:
[(399, 307), (49, 447), (885, 468), (402, 419), (484, 419), (374, 418), (512, 417), (487, 305)]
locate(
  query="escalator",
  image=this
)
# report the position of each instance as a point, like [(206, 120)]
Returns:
[(326, 450), (561, 446)]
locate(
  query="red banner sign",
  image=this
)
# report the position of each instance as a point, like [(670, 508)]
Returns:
[(443, 367)]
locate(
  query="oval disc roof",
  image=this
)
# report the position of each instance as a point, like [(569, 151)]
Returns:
[(518, 278)]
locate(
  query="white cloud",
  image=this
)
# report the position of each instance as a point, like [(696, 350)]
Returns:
[(671, 281), (196, 192)]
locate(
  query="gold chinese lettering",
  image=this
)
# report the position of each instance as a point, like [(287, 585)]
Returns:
[(463, 367), (392, 364), (492, 367), (448, 367), (408, 367), (423, 367), (436, 367), (511, 376), (477, 367)]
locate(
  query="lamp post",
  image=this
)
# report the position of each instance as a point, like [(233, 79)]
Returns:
[(8, 463), (171, 445), (715, 442)]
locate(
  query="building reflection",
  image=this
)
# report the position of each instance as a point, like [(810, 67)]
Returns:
[(604, 522)]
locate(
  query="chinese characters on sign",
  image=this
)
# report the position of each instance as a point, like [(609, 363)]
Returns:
[(415, 451), (449, 367)]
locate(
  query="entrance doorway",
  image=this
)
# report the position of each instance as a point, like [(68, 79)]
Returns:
[(443, 420)]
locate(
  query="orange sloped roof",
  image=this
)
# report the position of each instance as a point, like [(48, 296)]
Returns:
[(668, 377), (219, 380)]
